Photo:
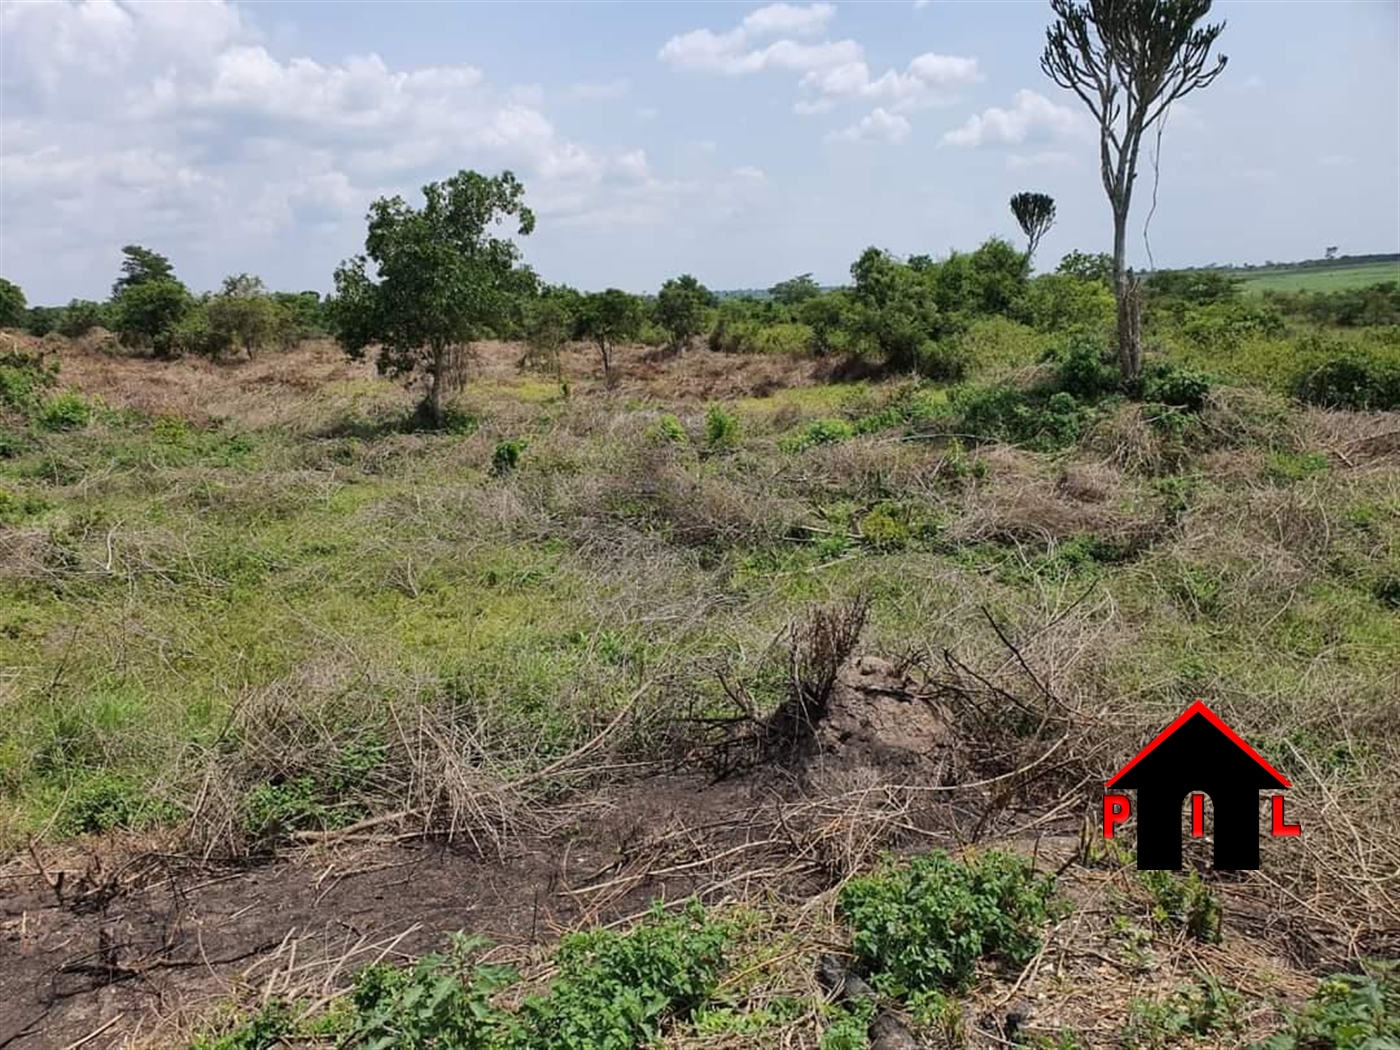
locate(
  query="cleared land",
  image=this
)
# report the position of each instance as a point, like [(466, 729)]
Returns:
[(289, 689)]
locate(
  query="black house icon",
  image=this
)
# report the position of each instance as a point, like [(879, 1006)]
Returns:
[(1198, 753)]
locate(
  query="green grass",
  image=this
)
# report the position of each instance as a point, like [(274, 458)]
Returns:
[(1318, 279)]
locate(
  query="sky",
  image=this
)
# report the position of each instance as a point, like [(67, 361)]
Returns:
[(738, 142)]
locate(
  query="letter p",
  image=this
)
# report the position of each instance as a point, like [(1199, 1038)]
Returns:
[(1116, 809)]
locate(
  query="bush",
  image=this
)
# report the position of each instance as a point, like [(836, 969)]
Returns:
[(507, 456), (13, 311), (1031, 418), (614, 990), (65, 411), (1354, 382), (1059, 302), (819, 432), (1184, 901), (721, 430), (943, 361), (924, 927), (147, 314), (1180, 388), (441, 1001), (1351, 1011), (23, 379), (81, 316), (1083, 369)]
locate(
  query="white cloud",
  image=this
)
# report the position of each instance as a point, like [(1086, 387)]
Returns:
[(799, 20), (919, 5), (921, 85), (730, 54), (179, 126), (1336, 160), (1032, 116), (881, 126), (834, 71)]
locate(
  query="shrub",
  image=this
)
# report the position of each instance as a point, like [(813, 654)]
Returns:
[(1029, 418), (81, 316), (945, 360), (1185, 901), (721, 429), (1354, 382), (614, 990), (819, 432), (924, 927), (23, 379), (13, 312), (1351, 1011), (1083, 369), (65, 411), (1180, 388), (441, 1001), (146, 314), (507, 456), (1060, 302), (668, 430)]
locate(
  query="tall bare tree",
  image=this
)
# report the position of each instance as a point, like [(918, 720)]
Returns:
[(1128, 60), (1035, 212)]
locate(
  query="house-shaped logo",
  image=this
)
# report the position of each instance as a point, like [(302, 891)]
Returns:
[(1197, 755)]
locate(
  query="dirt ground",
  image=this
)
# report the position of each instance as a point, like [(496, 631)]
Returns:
[(131, 942)]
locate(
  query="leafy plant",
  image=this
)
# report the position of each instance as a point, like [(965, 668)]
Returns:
[(925, 926), (615, 991), (1184, 901), (65, 411), (721, 429), (1351, 1011), (442, 1001), (507, 456)]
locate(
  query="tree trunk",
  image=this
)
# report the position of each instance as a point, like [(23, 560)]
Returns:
[(436, 368), (1125, 294)]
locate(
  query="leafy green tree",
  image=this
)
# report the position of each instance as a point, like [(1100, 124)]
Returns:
[(243, 315), (1097, 267), (795, 290), (549, 322), (825, 315), (13, 309), (147, 314), (81, 316), (442, 279), (607, 318), (680, 309), (1128, 61), (41, 320), (141, 266), (304, 311), (1035, 214), (897, 309)]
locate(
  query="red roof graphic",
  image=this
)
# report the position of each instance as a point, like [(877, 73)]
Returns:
[(1199, 708)]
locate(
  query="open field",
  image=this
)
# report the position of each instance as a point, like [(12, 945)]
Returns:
[(525, 675), (1320, 278)]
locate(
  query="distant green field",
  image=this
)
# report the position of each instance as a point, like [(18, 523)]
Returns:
[(1319, 279)]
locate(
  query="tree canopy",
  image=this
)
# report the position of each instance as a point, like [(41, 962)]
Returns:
[(12, 305), (441, 277), (1035, 214), (140, 266), (606, 318), (680, 309)]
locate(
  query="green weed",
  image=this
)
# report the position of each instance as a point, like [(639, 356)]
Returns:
[(923, 927)]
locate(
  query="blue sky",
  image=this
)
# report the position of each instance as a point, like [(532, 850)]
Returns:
[(740, 142)]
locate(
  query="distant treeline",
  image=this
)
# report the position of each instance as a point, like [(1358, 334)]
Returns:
[(1339, 262)]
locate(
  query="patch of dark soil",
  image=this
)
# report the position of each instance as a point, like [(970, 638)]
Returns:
[(164, 949)]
